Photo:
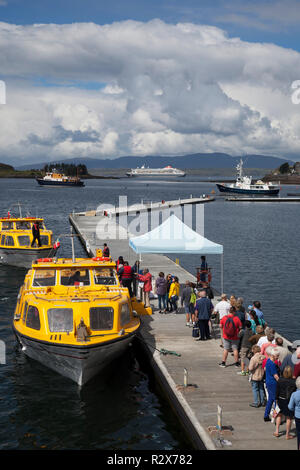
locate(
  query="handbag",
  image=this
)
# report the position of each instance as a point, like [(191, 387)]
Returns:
[(274, 412), (196, 332)]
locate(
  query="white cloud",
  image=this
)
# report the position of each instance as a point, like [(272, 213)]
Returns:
[(165, 89)]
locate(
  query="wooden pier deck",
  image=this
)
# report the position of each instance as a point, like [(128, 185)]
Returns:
[(208, 385)]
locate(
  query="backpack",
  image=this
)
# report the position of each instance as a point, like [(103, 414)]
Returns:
[(193, 298), (229, 328)]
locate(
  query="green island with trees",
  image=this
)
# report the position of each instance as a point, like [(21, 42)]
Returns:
[(68, 169)]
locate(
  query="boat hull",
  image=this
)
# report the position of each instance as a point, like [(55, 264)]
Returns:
[(78, 363), (227, 189), (43, 182), (23, 258)]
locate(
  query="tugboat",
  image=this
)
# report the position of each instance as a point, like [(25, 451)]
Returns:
[(244, 185), (73, 315), (16, 238), (59, 179)]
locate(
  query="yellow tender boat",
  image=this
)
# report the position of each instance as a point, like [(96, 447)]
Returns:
[(16, 238), (73, 316)]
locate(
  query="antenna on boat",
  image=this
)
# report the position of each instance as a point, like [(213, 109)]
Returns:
[(20, 210), (19, 205)]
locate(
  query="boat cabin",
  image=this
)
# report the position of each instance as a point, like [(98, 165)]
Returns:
[(17, 233), (59, 295)]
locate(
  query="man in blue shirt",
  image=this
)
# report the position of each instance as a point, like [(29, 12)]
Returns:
[(203, 311), (256, 308)]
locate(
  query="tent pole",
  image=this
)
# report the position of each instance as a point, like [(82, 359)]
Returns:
[(222, 273)]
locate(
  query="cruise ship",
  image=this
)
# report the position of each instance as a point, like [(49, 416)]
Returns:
[(166, 171)]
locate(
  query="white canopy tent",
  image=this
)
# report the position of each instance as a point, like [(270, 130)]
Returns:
[(173, 236)]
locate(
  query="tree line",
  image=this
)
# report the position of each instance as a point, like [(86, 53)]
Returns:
[(68, 169)]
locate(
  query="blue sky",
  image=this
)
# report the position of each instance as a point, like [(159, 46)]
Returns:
[(259, 21)]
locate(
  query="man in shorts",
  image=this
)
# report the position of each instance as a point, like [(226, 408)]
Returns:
[(230, 325)]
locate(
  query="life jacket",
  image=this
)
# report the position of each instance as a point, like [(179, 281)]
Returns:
[(127, 272), (106, 251)]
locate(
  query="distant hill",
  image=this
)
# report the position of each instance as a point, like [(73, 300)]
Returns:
[(8, 171), (4, 168), (197, 160)]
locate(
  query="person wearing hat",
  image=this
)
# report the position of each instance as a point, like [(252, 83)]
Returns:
[(294, 405)]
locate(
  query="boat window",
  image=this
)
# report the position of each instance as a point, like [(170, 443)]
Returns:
[(9, 241), (24, 311), (44, 277), (60, 320), (105, 276), (7, 226), (125, 314), (2, 239), (23, 225), (24, 240), (101, 318), (44, 240), (75, 277), (33, 318)]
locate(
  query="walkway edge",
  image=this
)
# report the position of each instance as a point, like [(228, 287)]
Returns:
[(195, 431)]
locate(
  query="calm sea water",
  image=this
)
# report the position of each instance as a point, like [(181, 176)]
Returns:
[(122, 409)]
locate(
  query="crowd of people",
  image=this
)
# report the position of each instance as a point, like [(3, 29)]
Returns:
[(273, 369)]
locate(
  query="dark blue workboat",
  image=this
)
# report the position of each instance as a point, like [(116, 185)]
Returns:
[(244, 185)]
